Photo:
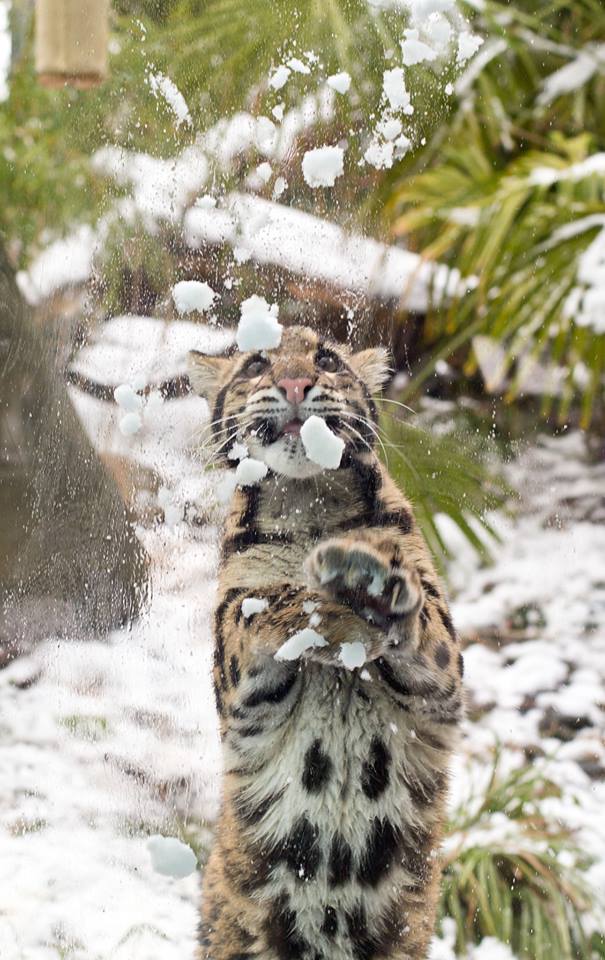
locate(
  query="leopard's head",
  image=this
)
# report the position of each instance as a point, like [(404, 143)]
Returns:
[(262, 399)]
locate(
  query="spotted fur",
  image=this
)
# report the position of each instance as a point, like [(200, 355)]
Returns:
[(335, 780)]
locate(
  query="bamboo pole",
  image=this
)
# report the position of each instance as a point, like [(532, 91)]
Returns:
[(71, 42)]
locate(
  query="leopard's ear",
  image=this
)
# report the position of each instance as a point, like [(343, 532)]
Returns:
[(372, 366), (205, 373)]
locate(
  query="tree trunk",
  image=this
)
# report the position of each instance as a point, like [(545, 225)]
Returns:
[(70, 563)]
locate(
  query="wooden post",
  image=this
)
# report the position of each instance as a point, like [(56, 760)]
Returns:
[(71, 42)]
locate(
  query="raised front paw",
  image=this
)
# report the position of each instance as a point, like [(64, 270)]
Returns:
[(356, 574)]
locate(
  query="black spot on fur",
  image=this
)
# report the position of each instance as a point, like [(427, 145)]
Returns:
[(219, 701), (424, 615), (251, 731), (415, 854), (340, 861), (273, 694), (424, 790), (219, 641), (281, 933), (251, 811), (429, 588), (390, 677), (301, 851), (447, 622), (253, 537), (442, 656), (460, 665), (380, 852), (317, 768), (329, 926), (375, 772), (366, 945), (234, 671)]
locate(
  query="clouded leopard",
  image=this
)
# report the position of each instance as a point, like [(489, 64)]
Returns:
[(335, 777)]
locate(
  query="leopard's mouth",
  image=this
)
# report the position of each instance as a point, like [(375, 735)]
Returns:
[(291, 427)]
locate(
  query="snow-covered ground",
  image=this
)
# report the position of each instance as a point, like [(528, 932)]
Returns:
[(104, 744)]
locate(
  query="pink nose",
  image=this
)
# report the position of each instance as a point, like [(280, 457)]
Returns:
[(295, 389)]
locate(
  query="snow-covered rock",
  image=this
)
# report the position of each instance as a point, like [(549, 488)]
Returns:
[(321, 445), (323, 165)]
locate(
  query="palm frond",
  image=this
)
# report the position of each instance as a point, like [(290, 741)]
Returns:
[(445, 475)]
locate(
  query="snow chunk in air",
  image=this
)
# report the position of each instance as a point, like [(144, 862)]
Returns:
[(252, 605), (127, 399), (130, 424), (259, 328), (321, 445), (171, 857), (249, 472), (380, 155), (341, 82), (352, 655), (321, 166), (280, 78), (414, 50), (296, 645), (468, 44), (393, 84), (190, 295)]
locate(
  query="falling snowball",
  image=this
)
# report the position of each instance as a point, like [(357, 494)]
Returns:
[(206, 202), (190, 295), (468, 44), (380, 155), (296, 645), (264, 171), (395, 90), (239, 451), (298, 66), (352, 655), (340, 82), (321, 445), (127, 399), (321, 166), (130, 424), (252, 605), (171, 857), (390, 128), (258, 328), (249, 472), (280, 78), (414, 50)]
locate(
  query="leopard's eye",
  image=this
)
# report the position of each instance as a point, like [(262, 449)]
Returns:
[(256, 367), (327, 362)]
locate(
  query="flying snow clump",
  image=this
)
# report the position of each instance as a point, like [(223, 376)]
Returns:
[(171, 857), (468, 44), (414, 50), (321, 445), (258, 328), (190, 295), (280, 77), (238, 451), (126, 398), (380, 155), (161, 85), (130, 424), (249, 472), (341, 82), (252, 605), (321, 166), (393, 84), (298, 66), (296, 645), (352, 655)]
